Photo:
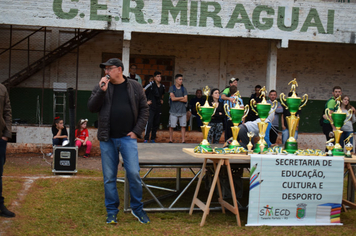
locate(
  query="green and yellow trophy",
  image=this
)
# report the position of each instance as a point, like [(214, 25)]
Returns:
[(237, 113), (294, 103), (263, 110), (338, 119), (205, 112)]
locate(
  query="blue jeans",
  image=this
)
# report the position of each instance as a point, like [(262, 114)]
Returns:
[(110, 160), (58, 141), (285, 135)]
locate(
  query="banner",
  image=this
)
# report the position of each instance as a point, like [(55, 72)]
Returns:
[(295, 190)]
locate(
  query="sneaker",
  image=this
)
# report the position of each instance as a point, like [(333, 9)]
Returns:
[(5, 212), (111, 219), (86, 155), (153, 141), (145, 141), (141, 216)]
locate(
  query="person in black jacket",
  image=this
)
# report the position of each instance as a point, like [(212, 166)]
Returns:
[(123, 112), (154, 92)]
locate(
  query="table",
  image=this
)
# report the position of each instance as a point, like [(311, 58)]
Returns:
[(225, 159), (164, 155), (218, 160)]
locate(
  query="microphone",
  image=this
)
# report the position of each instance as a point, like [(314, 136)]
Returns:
[(103, 83)]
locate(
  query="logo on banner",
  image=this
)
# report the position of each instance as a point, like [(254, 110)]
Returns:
[(301, 209), (268, 212)]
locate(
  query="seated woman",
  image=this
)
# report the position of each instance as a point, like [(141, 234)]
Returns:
[(82, 136), (217, 119)]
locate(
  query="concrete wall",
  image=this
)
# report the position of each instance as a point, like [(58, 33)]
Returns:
[(202, 60), (34, 136), (316, 21)]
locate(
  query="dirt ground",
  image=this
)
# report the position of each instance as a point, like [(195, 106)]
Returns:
[(33, 159)]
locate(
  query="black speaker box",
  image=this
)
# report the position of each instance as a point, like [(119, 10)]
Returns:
[(65, 160)]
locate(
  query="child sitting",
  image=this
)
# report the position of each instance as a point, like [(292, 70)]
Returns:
[(82, 136)]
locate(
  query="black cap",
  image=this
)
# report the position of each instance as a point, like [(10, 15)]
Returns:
[(233, 79), (113, 62)]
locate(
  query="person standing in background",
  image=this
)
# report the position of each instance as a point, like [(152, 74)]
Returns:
[(178, 99), (133, 75), (5, 132), (326, 125), (216, 122), (275, 123), (192, 106), (251, 114), (347, 128), (154, 94)]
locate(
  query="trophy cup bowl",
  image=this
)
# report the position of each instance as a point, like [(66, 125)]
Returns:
[(236, 115), (263, 110), (338, 119), (294, 103)]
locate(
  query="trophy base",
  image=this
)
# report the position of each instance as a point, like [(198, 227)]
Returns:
[(338, 152), (234, 144), (291, 147), (258, 150), (206, 147)]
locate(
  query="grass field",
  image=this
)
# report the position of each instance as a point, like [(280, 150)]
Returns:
[(52, 205)]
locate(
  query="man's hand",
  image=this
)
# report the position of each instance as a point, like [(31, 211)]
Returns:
[(232, 100), (132, 135), (105, 81), (5, 138), (149, 102)]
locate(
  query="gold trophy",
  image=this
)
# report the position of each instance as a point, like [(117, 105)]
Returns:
[(236, 115), (250, 145), (348, 146), (294, 103), (338, 119), (205, 112), (263, 110), (330, 146)]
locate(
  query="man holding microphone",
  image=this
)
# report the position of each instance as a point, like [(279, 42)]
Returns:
[(123, 113)]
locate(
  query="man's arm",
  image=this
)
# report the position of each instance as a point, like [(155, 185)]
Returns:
[(96, 99), (178, 99), (142, 115)]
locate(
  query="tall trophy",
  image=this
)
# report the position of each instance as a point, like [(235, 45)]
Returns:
[(237, 113), (338, 119), (205, 112), (294, 103), (263, 110)]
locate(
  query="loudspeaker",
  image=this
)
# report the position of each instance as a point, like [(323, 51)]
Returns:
[(65, 160)]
